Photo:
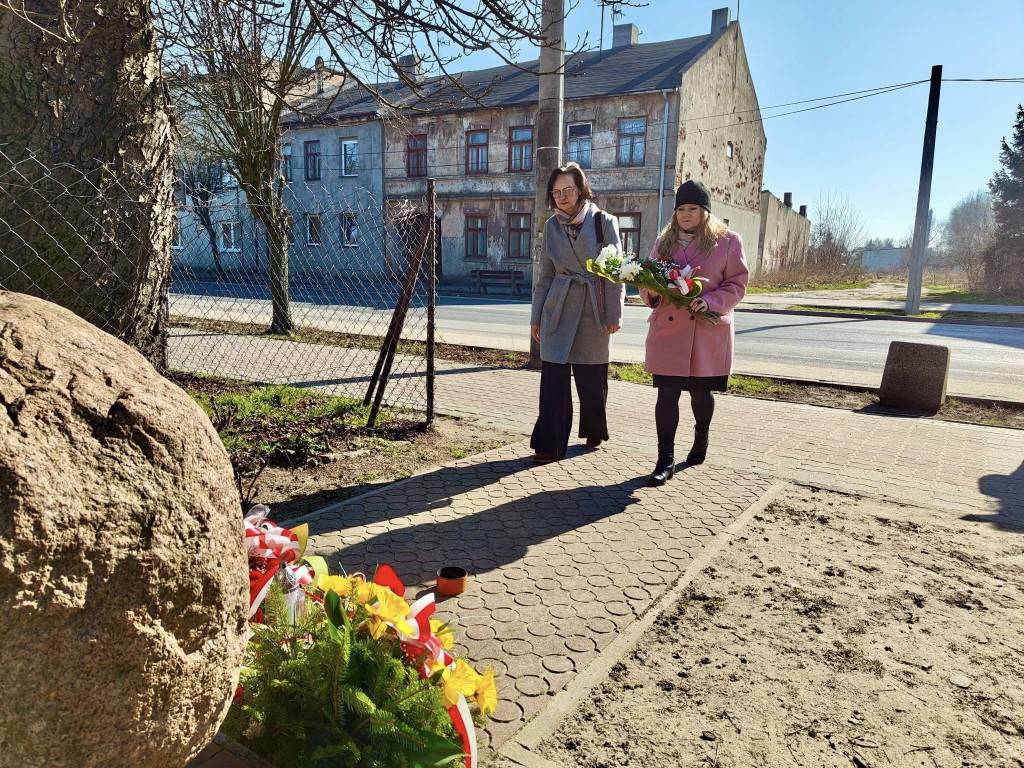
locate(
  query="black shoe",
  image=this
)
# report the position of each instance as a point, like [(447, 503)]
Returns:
[(699, 451), (664, 469)]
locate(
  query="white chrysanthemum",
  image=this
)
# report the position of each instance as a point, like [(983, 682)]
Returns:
[(606, 252), (630, 269)]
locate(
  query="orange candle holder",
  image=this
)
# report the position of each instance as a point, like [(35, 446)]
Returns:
[(451, 580)]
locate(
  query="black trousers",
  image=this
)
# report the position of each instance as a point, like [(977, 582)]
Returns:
[(554, 423), (666, 413)]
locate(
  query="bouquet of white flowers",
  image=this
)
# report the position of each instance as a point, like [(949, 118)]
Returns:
[(680, 285)]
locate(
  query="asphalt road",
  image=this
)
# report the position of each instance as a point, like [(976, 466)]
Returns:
[(986, 361)]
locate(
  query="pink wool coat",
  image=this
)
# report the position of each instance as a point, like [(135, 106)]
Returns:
[(678, 345)]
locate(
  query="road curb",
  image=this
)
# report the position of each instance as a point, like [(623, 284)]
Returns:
[(897, 318), (992, 401)]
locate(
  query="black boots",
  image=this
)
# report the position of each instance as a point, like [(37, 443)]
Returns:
[(699, 451), (665, 467)]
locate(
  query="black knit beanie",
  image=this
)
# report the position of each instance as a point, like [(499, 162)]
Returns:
[(693, 193)]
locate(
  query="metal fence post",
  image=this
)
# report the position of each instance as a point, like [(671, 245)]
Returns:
[(432, 247)]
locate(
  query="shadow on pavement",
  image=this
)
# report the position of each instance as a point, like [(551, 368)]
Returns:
[(1005, 336), (762, 328), (901, 413), (479, 541), (1009, 490)]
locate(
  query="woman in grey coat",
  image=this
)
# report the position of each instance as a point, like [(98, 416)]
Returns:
[(575, 312)]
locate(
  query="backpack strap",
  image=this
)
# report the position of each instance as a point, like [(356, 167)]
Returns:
[(599, 231)]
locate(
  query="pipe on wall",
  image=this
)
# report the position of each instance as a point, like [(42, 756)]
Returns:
[(664, 151)]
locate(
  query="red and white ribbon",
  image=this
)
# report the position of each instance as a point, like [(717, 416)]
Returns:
[(266, 539), (463, 722)]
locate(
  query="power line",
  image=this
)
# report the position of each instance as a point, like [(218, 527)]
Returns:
[(861, 94)]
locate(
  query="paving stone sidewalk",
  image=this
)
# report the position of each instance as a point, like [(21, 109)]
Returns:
[(961, 468), (561, 556), (565, 555)]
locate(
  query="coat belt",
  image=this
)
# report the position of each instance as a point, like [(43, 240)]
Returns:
[(590, 285)]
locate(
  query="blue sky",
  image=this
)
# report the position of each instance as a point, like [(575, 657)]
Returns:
[(868, 150)]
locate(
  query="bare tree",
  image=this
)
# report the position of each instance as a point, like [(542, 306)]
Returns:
[(252, 70), (202, 179), (86, 191), (240, 65), (838, 230), (968, 232)]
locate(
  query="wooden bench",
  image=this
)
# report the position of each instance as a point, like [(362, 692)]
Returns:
[(513, 278)]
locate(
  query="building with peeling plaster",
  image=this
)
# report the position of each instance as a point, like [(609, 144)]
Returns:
[(641, 118)]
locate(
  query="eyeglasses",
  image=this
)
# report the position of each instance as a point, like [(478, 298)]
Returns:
[(567, 192)]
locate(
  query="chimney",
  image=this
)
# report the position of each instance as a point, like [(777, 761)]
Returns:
[(624, 35), (787, 199), (319, 65), (412, 66), (803, 211), (720, 20)]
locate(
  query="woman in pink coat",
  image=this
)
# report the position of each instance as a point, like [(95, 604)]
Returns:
[(684, 353)]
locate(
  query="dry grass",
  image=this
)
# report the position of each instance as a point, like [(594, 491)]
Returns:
[(795, 277)]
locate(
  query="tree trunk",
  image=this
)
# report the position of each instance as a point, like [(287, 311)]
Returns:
[(202, 210), (86, 178), (281, 321), (268, 209)]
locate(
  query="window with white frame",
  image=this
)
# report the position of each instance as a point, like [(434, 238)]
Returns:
[(314, 234), (231, 236), (632, 140), (349, 230), (286, 161), (579, 143), (349, 157)]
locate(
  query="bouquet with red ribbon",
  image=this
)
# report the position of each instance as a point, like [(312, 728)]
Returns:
[(680, 285), (303, 617)]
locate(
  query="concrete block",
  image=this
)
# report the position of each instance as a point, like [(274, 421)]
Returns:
[(915, 376)]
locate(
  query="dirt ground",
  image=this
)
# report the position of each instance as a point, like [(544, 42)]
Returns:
[(368, 464), (836, 631), (346, 459), (988, 413)]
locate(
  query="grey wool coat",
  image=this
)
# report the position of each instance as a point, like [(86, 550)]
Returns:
[(572, 305)]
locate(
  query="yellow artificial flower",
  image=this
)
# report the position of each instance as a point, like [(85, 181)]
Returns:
[(342, 586), (443, 633), (366, 591), (463, 679), (388, 607), (487, 693)]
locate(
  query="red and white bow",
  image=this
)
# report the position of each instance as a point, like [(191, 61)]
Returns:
[(269, 540)]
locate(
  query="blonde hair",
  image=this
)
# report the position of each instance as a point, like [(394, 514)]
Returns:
[(711, 230)]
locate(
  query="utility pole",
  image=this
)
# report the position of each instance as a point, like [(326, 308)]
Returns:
[(551, 90), (924, 191)]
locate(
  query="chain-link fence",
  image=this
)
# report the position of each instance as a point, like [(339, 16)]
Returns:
[(310, 306)]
